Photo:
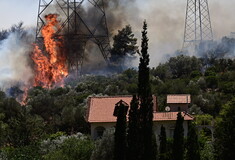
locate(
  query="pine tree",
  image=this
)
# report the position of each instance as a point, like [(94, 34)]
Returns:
[(178, 141), (145, 99), (133, 130), (163, 144), (120, 134), (124, 43), (193, 151)]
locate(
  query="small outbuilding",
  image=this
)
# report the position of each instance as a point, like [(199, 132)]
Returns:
[(178, 102)]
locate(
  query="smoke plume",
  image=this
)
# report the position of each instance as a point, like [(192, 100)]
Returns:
[(165, 31), (14, 59), (166, 20)]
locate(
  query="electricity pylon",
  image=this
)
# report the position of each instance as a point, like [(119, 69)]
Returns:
[(81, 21), (197, 25)]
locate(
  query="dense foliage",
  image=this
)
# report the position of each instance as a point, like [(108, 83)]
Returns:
[(63, 109), (43, 126), (104, 148), (225, 131), (51, 124)]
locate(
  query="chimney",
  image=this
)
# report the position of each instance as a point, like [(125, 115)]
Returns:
[(155, 104)]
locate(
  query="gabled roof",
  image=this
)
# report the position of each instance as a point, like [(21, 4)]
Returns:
[(178, 99), (100, 109)]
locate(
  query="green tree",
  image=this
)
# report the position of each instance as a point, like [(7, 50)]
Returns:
[(3, 130), (162, 71), (208, 153), (133, 130), (193, 150), (163, 144), (145, 99), (124, 44), (178, 141), (183, 65), (26, 128), (120, 132), (61, 108), (225, 132)]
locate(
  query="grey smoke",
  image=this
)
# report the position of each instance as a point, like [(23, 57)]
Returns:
[(166, 20), (14, 59)]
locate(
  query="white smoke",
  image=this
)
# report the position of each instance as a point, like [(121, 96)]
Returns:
[(14, 60)]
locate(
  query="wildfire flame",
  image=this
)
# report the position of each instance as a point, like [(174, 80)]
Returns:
[(23, 101), (50, 67)]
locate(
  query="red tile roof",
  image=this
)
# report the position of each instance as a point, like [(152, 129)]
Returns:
[(178, 98), (100, 109)]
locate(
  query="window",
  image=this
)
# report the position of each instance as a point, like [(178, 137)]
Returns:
[(99, 131)]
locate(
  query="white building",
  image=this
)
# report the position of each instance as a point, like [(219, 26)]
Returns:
[(100, 116)]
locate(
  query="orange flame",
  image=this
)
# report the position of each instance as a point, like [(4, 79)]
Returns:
[(23, 101), (50, 67)]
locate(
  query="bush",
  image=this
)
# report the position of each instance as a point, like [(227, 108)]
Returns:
[(72, 149), (208, 152), (104, 149), (30, 152)]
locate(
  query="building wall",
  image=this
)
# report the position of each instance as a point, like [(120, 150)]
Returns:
[(174, 107), (94, 126), (169, 125)]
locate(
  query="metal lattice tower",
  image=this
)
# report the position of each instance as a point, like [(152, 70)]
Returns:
[(197, 24), (79, 24)]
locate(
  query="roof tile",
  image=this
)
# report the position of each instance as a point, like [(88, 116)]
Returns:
[(179, 98), (100, 109)]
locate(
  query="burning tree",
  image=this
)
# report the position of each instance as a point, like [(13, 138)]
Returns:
[(50, 67)]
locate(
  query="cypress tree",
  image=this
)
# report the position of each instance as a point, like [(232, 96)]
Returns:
[(178, 139), (145, 99), (154, 147), (163, 144), (133, 130), (193, 151), (120, 134)]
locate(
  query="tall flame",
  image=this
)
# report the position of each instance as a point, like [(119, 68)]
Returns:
[(50, 67)]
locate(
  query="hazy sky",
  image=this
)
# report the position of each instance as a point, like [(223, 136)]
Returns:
[(14, 11), (165, 19)]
